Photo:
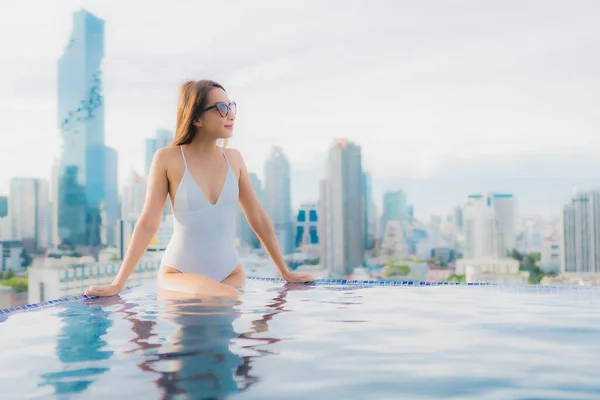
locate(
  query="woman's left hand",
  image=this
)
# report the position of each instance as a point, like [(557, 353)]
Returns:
[(294, 277)]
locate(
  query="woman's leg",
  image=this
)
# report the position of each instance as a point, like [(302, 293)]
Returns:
[(171, 280), (237, 278)]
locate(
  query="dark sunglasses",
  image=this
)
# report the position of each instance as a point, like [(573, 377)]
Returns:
[(223, 108)]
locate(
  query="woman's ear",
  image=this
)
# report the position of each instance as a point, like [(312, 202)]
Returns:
[(197, 123)]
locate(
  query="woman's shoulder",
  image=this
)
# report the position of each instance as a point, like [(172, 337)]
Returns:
[(167, 155), (233, 154), (235, 158), (168, 152)]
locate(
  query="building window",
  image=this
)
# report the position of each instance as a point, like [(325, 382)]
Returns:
[(312, 215), (314, 239), (301, 216), (299, 235)]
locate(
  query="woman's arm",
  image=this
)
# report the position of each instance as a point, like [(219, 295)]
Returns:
[(261, 224), (145, 228)]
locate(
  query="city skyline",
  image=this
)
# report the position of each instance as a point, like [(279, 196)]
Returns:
[(440, 94)]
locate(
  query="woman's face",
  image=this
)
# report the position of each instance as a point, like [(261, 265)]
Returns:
[(218, 118)]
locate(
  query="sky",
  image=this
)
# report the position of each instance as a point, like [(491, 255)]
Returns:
[(445, 97)]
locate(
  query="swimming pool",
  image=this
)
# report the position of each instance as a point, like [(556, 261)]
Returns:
[(324, 341)]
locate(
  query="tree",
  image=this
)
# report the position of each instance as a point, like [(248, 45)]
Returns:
[(396, 270), (534, 258), (457, 278), (66, 245), (8, 274), (19, 285), (25, 259), (516, 255)]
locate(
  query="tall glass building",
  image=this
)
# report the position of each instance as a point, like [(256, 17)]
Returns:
[(84, 190), (369, 211), (341, 214), (3, 206), (278, 198), (394, 208)]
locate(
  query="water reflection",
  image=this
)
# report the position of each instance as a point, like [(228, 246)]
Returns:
[(187, 347), (80, 348), (205, 357)]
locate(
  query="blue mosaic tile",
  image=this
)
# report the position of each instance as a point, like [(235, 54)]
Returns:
[(359, 283)]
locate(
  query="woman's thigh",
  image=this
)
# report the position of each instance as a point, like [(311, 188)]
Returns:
[(237, 278), (172, 280)]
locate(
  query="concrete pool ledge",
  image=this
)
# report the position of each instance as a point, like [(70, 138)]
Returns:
[(345, 282)]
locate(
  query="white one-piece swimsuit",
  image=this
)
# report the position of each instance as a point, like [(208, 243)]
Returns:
[(203, 241)]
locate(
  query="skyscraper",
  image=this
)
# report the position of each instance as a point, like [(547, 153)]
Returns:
[(394, 208), (342, 210), (458, 217), (278, 198), (369, 210), (245, 232), (29, 212), (111, 200), (132, 197), (581, 232), (489, 225), (84, 191), (3, 206)]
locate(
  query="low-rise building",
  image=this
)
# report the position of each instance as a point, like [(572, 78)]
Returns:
[(56, 278), (9, 298), (10, 255), (550, 258), (492, 270)]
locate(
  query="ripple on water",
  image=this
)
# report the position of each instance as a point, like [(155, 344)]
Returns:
[(311, 341)]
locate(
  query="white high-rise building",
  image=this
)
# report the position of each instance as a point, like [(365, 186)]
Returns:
[(489, 225), (551, 253), (29, 212), (132, 197), (581, 232), (342, 204), (5, 228), (278, 198), (393, 245)]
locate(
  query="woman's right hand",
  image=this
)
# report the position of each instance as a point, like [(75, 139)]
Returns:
[(104, 290)]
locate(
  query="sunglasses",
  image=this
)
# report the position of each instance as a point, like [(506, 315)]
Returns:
[(223, 108)]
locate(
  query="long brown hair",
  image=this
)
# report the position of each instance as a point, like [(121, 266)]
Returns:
[(193, 96)]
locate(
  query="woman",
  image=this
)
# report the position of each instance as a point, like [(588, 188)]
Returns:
[(204, 182)]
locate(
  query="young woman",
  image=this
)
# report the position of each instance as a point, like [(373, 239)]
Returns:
[(204, 182)]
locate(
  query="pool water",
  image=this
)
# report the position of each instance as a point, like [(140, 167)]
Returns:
[(325, 341)]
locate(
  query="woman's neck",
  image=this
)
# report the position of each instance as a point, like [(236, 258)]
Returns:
[(203, 146)]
